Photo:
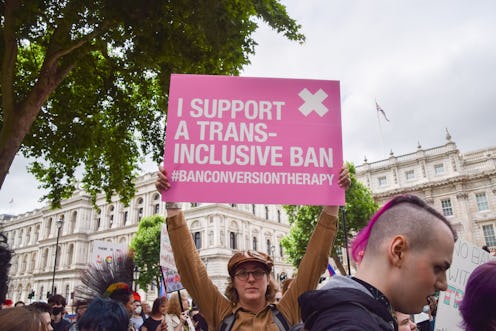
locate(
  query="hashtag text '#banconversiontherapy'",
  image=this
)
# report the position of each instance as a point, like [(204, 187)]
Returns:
[(251, 177)]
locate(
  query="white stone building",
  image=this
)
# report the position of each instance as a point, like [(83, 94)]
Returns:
[(460, 185), (218, 230)]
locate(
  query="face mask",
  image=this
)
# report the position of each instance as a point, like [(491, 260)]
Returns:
[(137, 310), (57, 310)]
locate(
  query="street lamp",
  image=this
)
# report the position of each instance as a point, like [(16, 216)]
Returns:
[(273, 249), (59, 224), (135, 277)]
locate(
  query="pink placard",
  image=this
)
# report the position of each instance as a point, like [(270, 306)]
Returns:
[(253, 140)]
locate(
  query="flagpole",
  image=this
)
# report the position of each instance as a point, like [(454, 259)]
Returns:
[(345, 235), (380, 128)]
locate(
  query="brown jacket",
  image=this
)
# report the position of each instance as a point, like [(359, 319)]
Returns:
[(214, 306)]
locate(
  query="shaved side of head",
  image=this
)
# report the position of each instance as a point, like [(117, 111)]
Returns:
[(408, 216)]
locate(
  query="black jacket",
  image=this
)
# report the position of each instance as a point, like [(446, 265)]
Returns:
[(347, 306)]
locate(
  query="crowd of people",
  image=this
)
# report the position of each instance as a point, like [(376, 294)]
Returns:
[(402, 258), (104, 314)]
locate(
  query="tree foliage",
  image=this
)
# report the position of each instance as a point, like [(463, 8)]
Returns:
[(359, 207), (84, 84), (146, 247)]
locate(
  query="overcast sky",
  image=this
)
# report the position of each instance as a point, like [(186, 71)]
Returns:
[(429, 64)]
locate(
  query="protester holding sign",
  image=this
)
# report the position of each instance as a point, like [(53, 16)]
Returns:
[(177, 316), (402, 254), (156, 320), (252, 290)]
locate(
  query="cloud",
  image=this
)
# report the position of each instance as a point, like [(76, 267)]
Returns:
[(20, 191), (429, 64)]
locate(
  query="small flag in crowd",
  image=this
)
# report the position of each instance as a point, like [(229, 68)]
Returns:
[(379, 109), (330, 269), (162, 291)]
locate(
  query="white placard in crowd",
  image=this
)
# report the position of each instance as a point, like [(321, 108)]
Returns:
[(166, 255), (169, 270), (104, 251), (466, 257)]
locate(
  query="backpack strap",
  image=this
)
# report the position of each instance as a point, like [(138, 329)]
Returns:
[(227, 323), (277, 317)]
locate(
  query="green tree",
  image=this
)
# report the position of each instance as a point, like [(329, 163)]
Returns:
[(84, 84), (360, 206), (146, 247)]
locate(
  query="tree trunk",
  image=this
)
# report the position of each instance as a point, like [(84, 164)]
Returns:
[(19, 119), (15, 127)]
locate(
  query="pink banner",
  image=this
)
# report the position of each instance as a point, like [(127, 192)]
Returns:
[(253, 140)]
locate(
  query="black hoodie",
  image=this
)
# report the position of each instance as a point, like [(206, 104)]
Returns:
[(344, 304)]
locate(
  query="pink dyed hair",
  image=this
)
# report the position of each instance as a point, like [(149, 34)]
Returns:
[(360, 242)]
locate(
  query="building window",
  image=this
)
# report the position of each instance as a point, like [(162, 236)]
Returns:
[(48, 228), (156, 209), (59, 255), (197, 239), (72, 225), (339, 253), (33, 261), (24, 263), (233, 205), (140, 214), (489, 235), (36, 233), (44, 259), (70, 254), (194, 204), (125, 217), (232, 240), (382, 181), (410, 174), (254, 243), (481, 199), (253, 209), (446, 206), (439, 169), (281, 251), (279, 216), (67, 294), (99, 219), (28, 236), (266, 212), (268, 247)]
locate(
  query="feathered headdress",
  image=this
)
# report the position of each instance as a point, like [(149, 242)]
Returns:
[(111, 279)]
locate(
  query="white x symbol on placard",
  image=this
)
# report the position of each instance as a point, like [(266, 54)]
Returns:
[(313, 102)]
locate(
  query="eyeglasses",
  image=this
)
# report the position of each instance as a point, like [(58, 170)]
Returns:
[(244, 275)]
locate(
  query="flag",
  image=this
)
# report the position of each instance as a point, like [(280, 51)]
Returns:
[(330, 269), (379, 109)]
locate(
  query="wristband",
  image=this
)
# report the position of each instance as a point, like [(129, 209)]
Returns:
[(172, 205)]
